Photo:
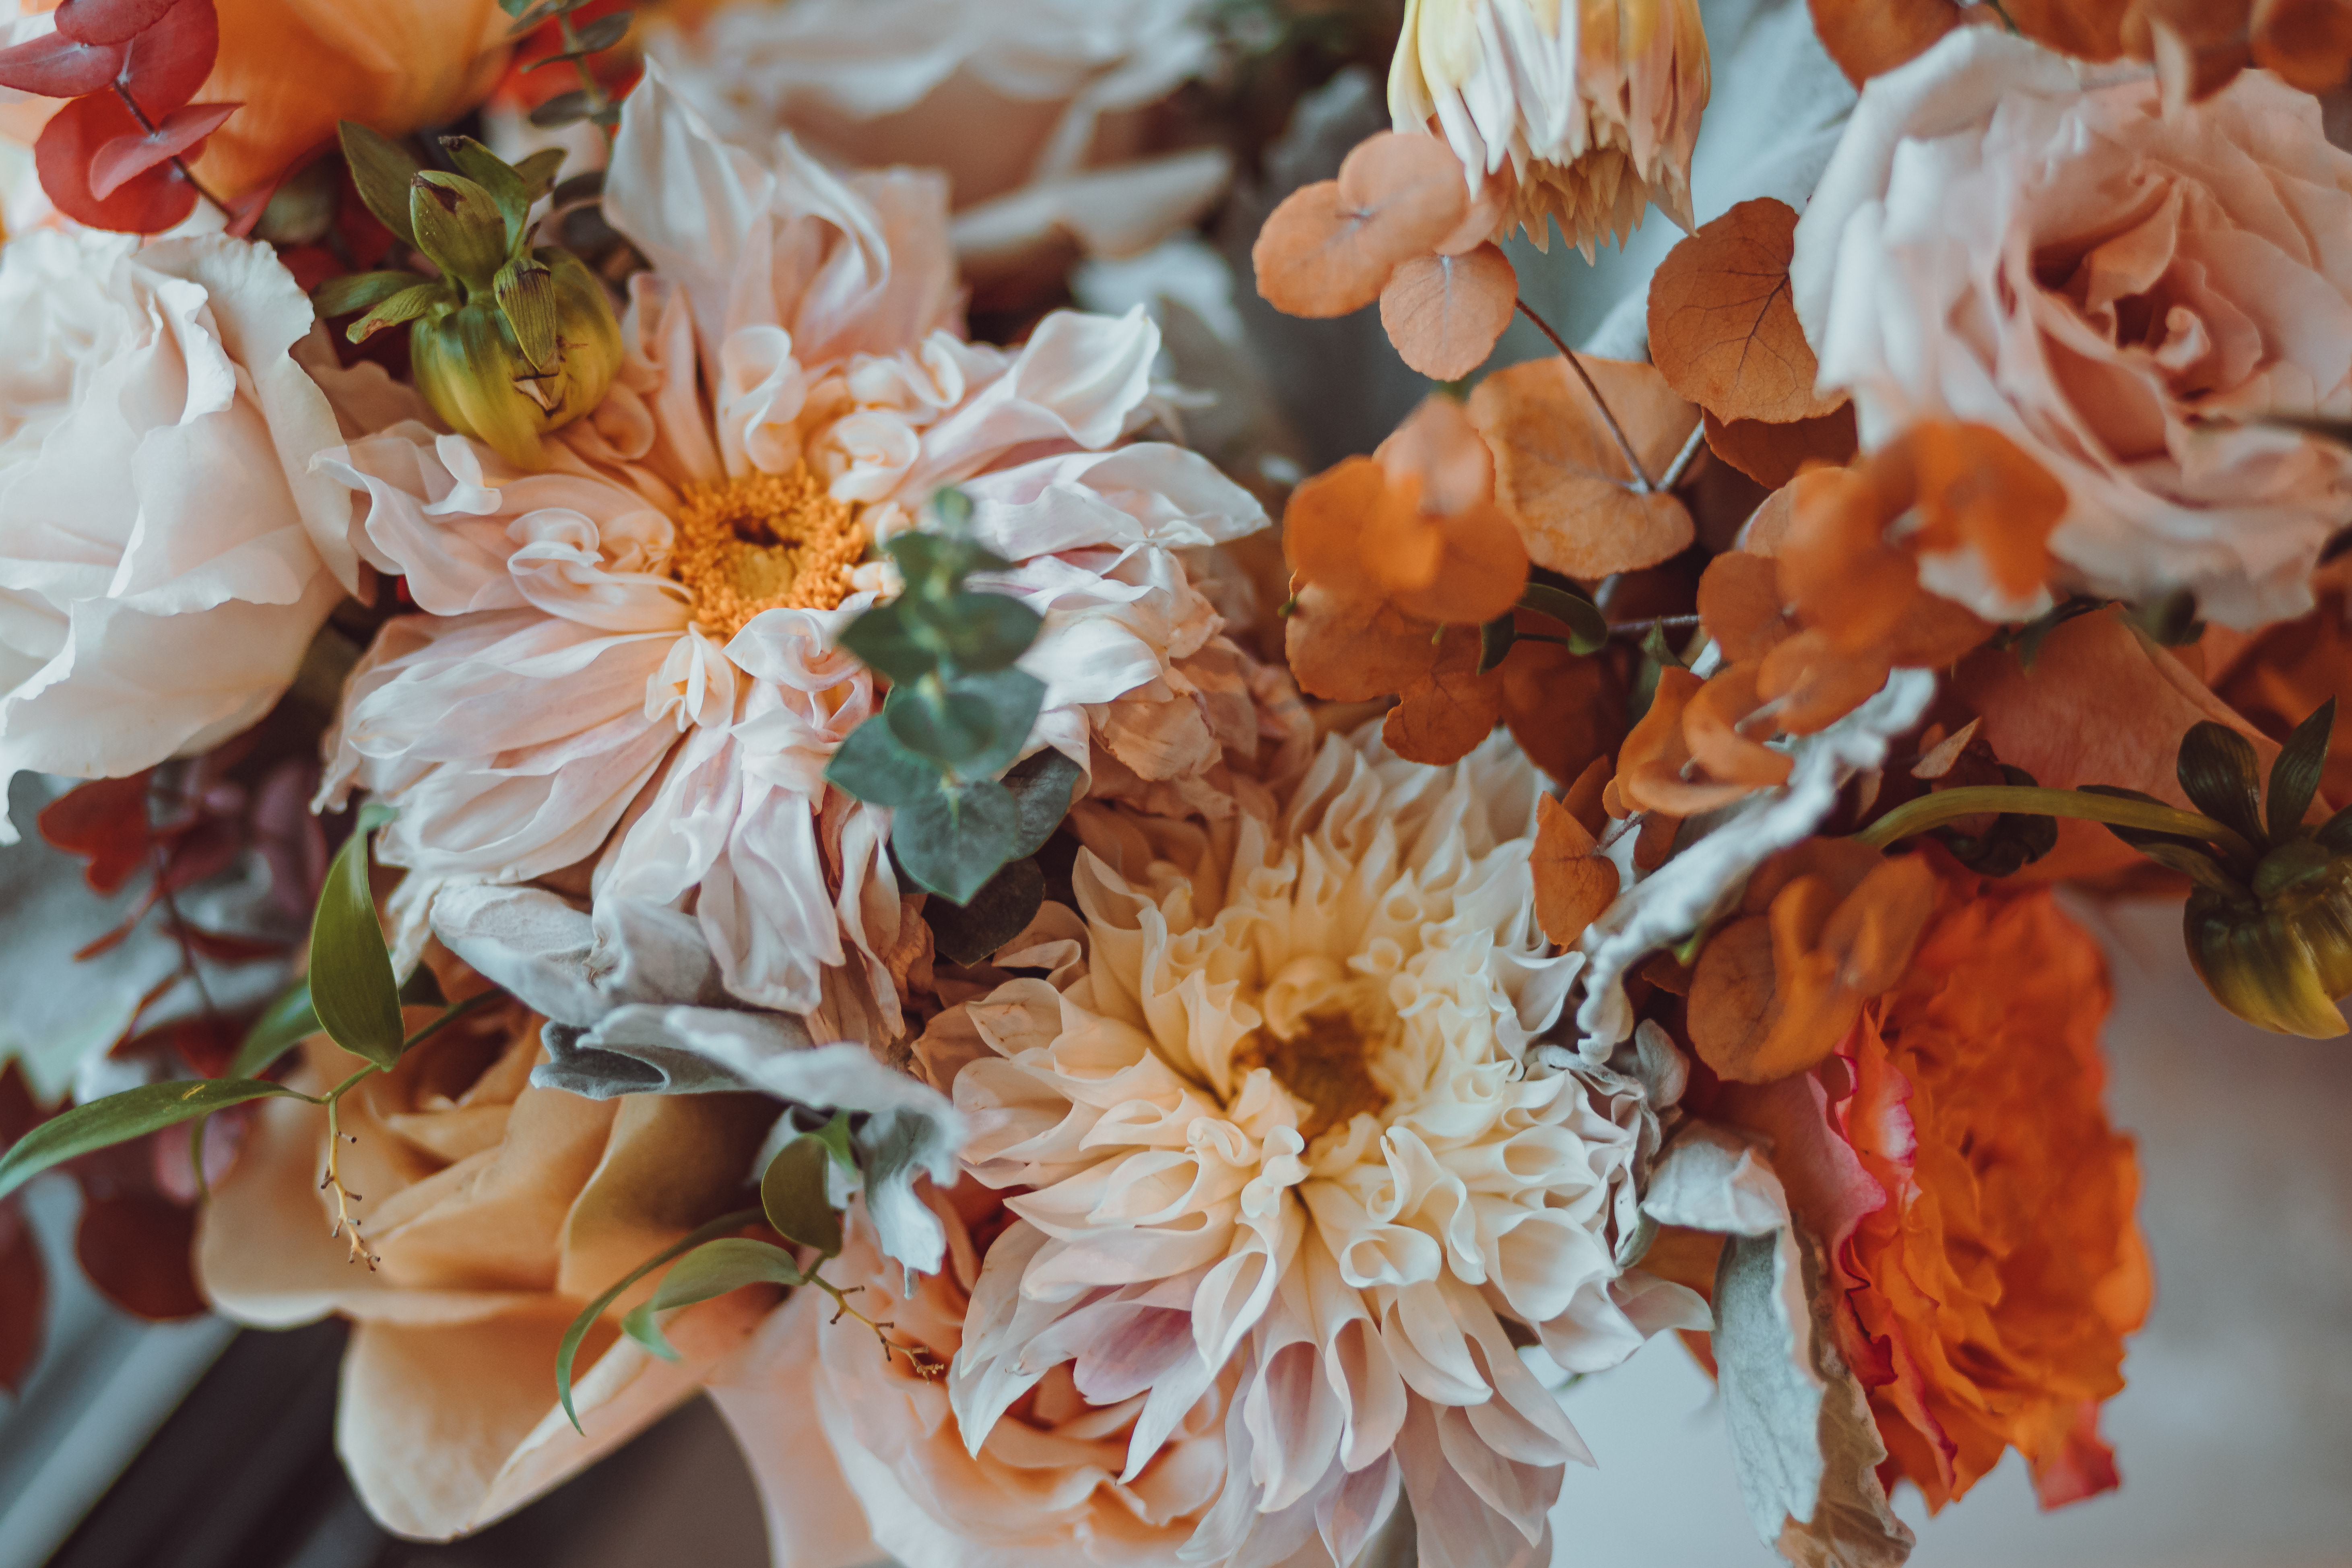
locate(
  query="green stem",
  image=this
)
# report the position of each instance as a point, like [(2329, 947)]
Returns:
[(1917, 816), (449, 1017)]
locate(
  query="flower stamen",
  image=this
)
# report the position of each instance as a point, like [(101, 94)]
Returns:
[(764, 542)]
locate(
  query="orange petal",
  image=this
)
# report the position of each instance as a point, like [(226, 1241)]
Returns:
[(1844, 580), (1561, 476), (1444, 313), (1572, 885), (1977, 490), (1816, 683), (1329, 247), (1441, 717), (1723, 328), (1739, 604), (1772, 454)]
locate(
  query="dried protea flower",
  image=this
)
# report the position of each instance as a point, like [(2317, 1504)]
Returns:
[(1579, 110)]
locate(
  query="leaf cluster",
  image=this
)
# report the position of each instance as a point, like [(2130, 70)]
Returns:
[(576, 43), (966, 819)]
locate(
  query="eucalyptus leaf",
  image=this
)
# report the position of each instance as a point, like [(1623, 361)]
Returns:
[(568, 1350), (283, 1025), (382, 171), (935, 564), (2220, 773), (978, 632), (1000, 912), (950, 727), (362, 292), (352, 988), (1014, 697), (1041, 783), (872, 766), (953, 842), (792, 1193), (1588, 628), (602, 33), (563, 109), (710, 1270), (119, 1118), (883, 640), (2295, 776)]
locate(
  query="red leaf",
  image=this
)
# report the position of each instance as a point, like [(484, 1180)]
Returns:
[(222, 947), (206, 1043), (20, 1112), (150, 204), (110, 21), (104, 821), (126, 157), (55, 66), (169, 61), (23, 1285), (135, 1247)]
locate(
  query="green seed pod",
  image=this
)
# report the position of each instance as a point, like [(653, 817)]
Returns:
[(2280, 959), (471, 366)]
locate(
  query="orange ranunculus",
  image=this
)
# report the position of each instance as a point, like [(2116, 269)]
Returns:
[(298, 65), (1989, 1296)]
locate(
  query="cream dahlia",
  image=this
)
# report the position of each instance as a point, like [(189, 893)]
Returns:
[(629, 659), (1285, 1117), (1593, 105)]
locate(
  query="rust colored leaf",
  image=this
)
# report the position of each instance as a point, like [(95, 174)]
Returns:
[(1772, 454), (1323, 527), (1732, 989), (1739, 604), (2307, 44), (1582, 798), (1868, 36), (1723, 328), (165, 65), (1442, 717), (1816, 683), (1329, 247), (126, 157), (105, 822), (1573, 885), (148, 203), (1568, 712), (135, 1247), (24, 1290), (1444, 313), (54, 66), (1655, 771), (1353, 648), (112, 21), (1712, 729), (1560, 476)]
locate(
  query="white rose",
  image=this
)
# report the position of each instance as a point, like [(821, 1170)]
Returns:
[(161, 533)]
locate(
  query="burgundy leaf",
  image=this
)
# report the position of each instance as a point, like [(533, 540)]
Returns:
[(150, 204), (104, 821), (224, 947), (169, 61), (207, 1043), (54, 66), (110, 21), (20, 1112), (23, 1289), (126, 157), (136, 1247), (206, 848)]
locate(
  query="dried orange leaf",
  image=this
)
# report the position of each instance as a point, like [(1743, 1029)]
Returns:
[(1875, 930), (1329, 247), (1732, 990), (1323, 525), (1351, 648), (2307, 44), (1816, 683), (1711, 729), (1869, 36), (1740, 606), (1444, 313), (1560, 476), (1568, 712), (1772, 455), (1723, 328), (1573, 884), (1440, 718)]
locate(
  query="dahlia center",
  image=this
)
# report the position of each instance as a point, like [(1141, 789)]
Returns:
[(1320, 1038), (764, 542)]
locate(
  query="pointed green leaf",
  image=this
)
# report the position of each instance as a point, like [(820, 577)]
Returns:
[(353, 988), (410, 304), (361, 291), (1588, 628), (2337, 832), (382, 171), (568, 1350), (2220, 773), (1041, 783), (711, 1269), (973, 632), (526, 292), (119, 1118), (458, 224), (1000, 912), (563, 109), (538, 172), (499, 177), (935, 564), (283, 1025), (2295, 776), (1495, 640), (872, 766), (792, 1193), (947, 727), (953, 842), (835, 1136)]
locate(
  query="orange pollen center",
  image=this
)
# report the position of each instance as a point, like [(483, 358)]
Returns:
[(1322, 1065), (765, 542)]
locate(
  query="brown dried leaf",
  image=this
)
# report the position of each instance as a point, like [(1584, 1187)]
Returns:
[(1723, 328), (1573, 885), (1569, 713), (1329, 247), (1352, 648), (1739, 604), (1582, 798), (1711, 729), (1444, 313), (1560, 476), (2307, 44), (1771, 454), (1868, 36), (1442, 717)]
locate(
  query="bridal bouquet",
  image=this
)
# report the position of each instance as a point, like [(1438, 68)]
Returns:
[(684, 715)]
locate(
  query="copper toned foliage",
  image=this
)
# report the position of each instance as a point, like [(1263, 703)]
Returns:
[(1573, 885), (1723, 328), (1869, 36), (2198, 46)]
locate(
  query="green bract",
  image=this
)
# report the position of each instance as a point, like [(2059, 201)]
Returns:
[(508, 341)]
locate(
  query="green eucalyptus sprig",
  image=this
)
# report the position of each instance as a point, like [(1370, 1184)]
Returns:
[(2269, 918), (508, 341), (796, 1203), (579, 41), (967, 821), (350, 995)]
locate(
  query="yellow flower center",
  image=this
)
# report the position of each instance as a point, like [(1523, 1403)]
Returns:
[(1324, 1065), (764, 542)]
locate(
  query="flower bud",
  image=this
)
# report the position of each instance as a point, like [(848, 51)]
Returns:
[(471, 366), (2279, 953)]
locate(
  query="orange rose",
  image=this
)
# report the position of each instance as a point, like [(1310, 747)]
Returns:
[(1990, 1294)]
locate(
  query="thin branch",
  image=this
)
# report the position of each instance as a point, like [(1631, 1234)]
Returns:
[(1683, 458), (1640, 475), (178, 163)]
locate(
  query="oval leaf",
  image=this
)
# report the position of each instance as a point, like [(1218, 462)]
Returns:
[(54, 66), (166, 64), (119, 1118), (283, 1025), (872, 766), (1000, 912), (110, 21), (568, 1350), (953, 842), (353, 988), (147, 204), (126, 157), (792, 1191), (709, 1271)]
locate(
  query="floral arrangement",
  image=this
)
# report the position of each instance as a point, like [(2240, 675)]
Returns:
[(681, 717)]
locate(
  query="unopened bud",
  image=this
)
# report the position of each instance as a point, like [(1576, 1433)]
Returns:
[(471, 365)]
